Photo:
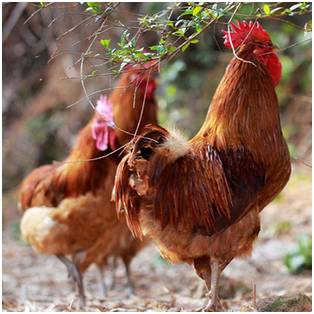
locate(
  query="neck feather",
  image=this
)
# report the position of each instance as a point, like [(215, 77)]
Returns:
[(128, 100), (244, 108)]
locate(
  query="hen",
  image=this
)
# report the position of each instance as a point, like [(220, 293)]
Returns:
[(69, 208), (199, 200)]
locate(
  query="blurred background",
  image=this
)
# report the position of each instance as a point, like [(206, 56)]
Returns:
[(44, 107)]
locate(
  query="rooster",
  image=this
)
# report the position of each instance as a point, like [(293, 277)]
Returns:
[(67, 205), (200, 199)]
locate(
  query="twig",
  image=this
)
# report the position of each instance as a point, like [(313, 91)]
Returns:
[(171, 55), (230, 39), (14, 17), (143, 105), (92, 159), (87, 52), (301, 161), (34, 13), (96, 33), (74, 27)]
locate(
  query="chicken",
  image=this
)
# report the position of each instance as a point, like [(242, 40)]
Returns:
[(200, 199), (67, 205)]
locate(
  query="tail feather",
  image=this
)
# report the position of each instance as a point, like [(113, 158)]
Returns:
[(41, 231)]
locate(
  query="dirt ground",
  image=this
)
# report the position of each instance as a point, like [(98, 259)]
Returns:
[(32, 282)]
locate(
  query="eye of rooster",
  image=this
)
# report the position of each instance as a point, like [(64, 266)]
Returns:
[(146, 152)]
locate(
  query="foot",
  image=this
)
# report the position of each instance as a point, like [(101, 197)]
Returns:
[(211, 307), (130, 290), (112, 284), (78, 302), (76, 276), (104, 289)]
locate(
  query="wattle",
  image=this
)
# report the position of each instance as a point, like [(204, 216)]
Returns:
[(104, 136), (148, 88), (272, 62), (274, 67)]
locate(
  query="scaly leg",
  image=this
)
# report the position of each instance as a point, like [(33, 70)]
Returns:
[(130, 285), (103, 285), (203, 270), (75, 274), (214, 303), (114, 266)]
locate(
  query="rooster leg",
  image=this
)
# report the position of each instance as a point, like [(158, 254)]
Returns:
[(75, 274), (202, 268), (214, 303), (113, 272), (103, 285), (130, 285)]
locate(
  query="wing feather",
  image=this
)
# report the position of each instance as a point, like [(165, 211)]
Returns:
[(203, 189), (126, 198), (193, 190)]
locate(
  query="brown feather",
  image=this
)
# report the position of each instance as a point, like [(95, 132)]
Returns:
[(206, 202), (73, 212), (29, 186)]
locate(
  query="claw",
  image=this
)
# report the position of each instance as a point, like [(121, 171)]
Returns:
[(211, 307)]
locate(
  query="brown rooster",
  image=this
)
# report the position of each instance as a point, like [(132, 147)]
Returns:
[(68, 208), (200, 200)]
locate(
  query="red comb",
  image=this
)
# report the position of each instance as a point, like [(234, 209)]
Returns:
[(245, 32)]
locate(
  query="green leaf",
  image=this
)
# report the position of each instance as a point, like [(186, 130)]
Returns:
[(294, 262), (186, 12), (198, 28), (94, 72), (105, 42), (171, 90), (172, 49), (154, 48), (301, 258), (186, 46), (180, 32), (266, 9), (95, 7), (194, 41), (196, 10), (304, 5)]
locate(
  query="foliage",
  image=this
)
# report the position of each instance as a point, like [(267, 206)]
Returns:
[(194, 29), (301, 258), (179, 25), (280, 227)]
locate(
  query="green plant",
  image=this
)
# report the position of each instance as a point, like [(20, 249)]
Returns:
[(281, 227), (180, 25), (301, 258)]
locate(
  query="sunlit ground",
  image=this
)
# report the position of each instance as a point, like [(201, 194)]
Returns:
[(34, 282)]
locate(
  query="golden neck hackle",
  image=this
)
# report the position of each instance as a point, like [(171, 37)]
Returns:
[(248, 113)]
